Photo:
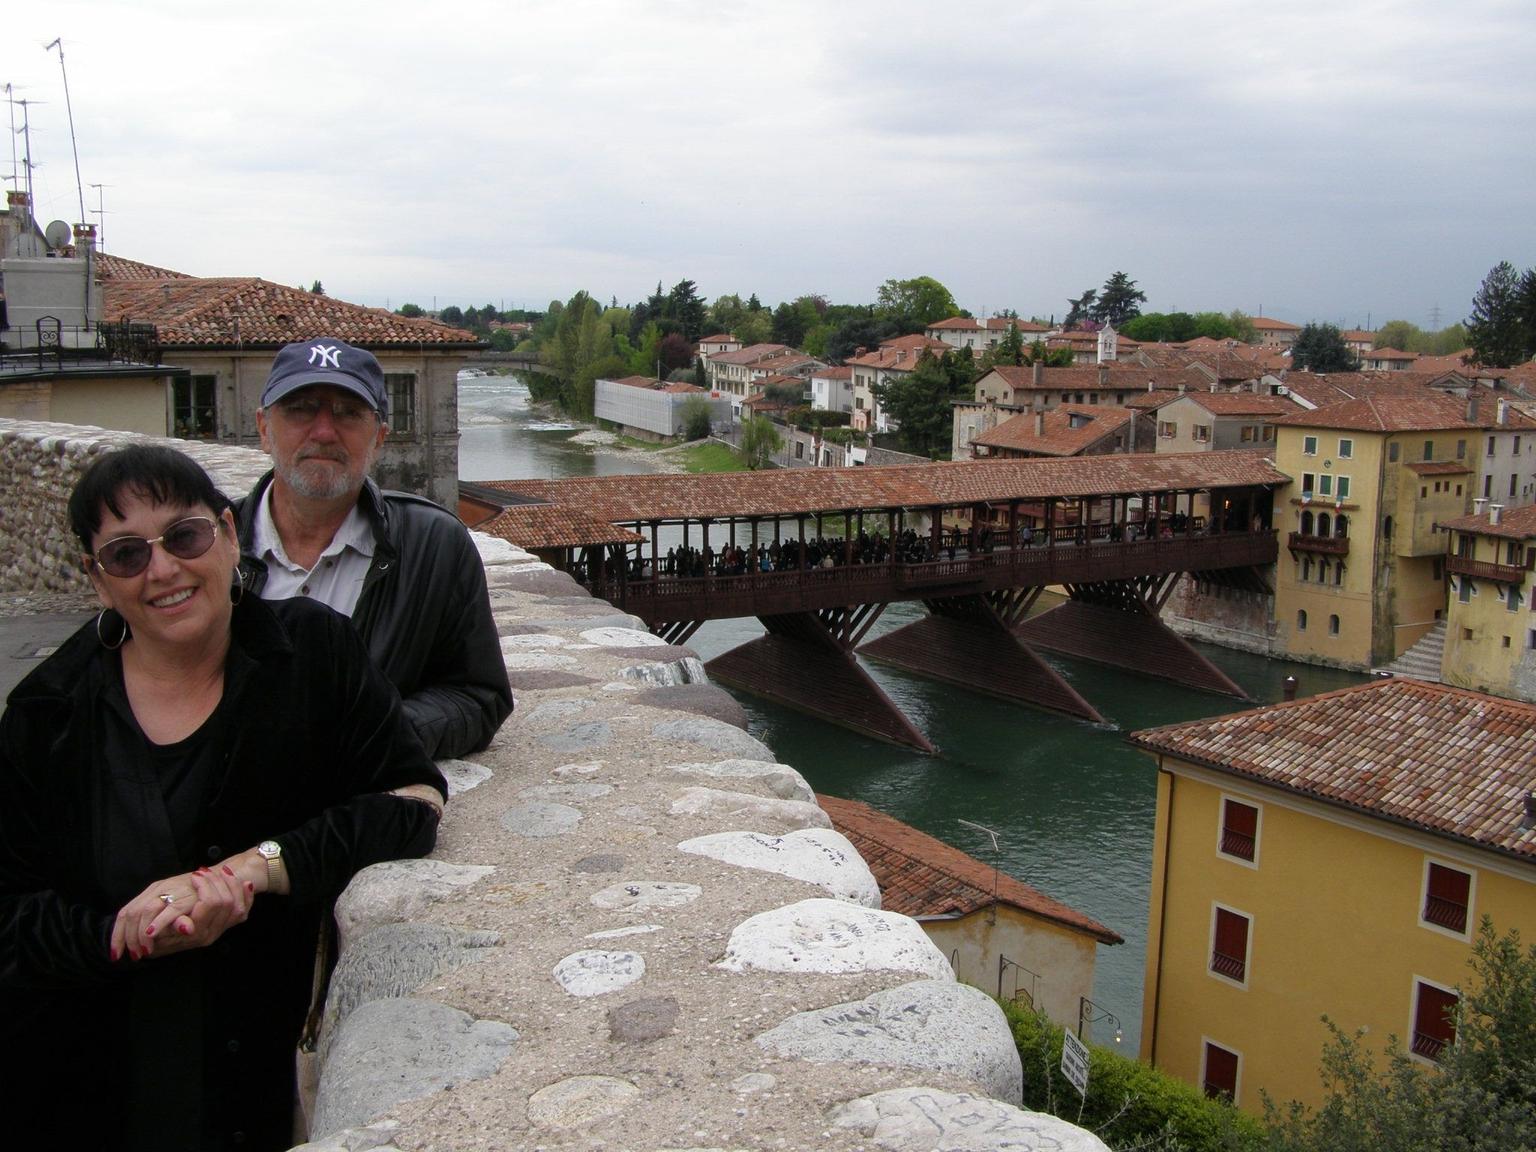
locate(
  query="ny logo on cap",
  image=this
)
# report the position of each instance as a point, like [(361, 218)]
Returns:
[(325, 355)]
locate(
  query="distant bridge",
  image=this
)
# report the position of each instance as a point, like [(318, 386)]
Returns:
[(1116, 532), (517, 362)]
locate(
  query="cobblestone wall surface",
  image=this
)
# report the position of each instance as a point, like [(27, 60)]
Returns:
[(638, 930)]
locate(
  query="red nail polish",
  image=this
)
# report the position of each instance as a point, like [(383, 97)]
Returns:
[(228, 871), (249, 887), (149, 931), (184, 929), (115, 953)]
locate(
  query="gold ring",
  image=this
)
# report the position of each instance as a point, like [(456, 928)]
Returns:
[(168, 898)]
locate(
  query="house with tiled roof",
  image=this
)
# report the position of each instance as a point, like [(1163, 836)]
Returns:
[(1003, 936), (735, 373), (1387, 360), (1330, 856), (1203, 421), (717, 343), (1065, 431), (1358, 341), (872, 369), (226, 330), (1275, 332), (1362, 578), (832, 389), (981, 335), (1490, 635)]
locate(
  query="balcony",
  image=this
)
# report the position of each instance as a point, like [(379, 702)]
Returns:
[(1484, 570), (1235, 843), (1232, 967), (1328, 545), (1450, 914), (1428, 1046)]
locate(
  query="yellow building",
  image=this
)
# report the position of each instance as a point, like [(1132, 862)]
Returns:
[(1490, 638), (1330, 855), (1363, 575)]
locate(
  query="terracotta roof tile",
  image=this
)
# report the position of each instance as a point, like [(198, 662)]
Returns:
[(842, 372), (245, 312), (923, 876), (1265, 324), (112, 267), (1444, 760), (1085, 378), (1243, 404), (992, 324), (784, 492), (1068, 430), (1430, 412), (1514, 524), (751, 354), (1438, 468), (534, 526)]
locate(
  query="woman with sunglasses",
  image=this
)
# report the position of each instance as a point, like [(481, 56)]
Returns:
[(185, 787)]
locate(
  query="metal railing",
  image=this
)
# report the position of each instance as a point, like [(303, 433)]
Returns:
[(1330, 545), (1232, 967), (1484, 570)]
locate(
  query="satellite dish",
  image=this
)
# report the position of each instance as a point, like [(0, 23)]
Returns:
[(57, 234)]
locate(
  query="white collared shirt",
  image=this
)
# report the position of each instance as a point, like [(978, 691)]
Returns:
[(337, 577)]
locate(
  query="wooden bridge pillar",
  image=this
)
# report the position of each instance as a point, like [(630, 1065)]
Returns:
[(970, 641), (805, 661)]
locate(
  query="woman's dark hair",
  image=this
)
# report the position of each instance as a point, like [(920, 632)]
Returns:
[(157, 474)]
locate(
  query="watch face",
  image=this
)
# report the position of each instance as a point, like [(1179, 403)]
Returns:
[(270, 848)]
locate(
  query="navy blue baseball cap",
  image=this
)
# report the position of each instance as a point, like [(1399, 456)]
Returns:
[(327, 361)]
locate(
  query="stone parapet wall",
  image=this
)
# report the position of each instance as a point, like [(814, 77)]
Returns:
[(638, 930)]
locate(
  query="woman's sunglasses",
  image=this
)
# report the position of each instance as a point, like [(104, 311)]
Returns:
[(125, 556)]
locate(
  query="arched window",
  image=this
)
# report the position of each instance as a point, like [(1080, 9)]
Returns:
[(1323, 524), (1386, 528), (1301, 620), (1306, 568), (1306, 523), (1341, 526), (1338, 574), (1333, 625)]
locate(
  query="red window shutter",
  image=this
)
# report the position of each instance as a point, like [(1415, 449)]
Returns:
[(1445, 903), (1433, 1027), (1229, 955), (1239, 829), (1220, 1072)]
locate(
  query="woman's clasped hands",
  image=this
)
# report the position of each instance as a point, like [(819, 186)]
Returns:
[(187, 911)]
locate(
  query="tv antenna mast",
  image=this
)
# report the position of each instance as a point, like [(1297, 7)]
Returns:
[(992, 915), (79, 187), (100, 211)]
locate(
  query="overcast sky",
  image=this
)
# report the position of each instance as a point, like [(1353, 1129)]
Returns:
[(1346, 161)]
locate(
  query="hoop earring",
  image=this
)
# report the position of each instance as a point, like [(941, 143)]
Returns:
[(236, 588), (122, 630)]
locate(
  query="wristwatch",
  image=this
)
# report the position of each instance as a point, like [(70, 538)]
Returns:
[(272, 852)]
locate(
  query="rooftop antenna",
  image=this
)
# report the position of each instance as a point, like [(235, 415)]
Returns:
[(100, 212), (10, 99), (79, 187), (26, 140), (992, 915)]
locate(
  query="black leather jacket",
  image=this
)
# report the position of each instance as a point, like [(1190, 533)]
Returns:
[(424, 614)]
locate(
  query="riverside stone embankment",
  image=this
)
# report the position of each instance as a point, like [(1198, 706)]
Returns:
[(638, 930)]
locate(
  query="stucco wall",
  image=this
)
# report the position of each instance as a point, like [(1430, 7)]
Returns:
[(636, 926)]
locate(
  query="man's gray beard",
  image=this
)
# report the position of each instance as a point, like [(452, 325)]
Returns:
[(340, 484)]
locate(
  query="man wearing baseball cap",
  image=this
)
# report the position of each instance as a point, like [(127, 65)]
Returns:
[(403, 568)]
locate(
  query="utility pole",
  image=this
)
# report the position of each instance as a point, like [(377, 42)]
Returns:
[(79, 187)]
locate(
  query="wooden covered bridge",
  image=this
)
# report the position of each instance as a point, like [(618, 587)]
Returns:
[(817, 555)]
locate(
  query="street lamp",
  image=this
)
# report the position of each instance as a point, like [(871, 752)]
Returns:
[(1090, 1013)]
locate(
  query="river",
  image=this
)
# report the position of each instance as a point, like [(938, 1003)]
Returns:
[(1072, 804)]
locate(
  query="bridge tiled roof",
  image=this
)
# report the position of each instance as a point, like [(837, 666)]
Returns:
[(791, 491), (923, 876), (1440, 759), (537, 526), (244, 311)]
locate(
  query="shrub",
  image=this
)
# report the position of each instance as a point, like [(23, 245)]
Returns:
[(1129, 1104)]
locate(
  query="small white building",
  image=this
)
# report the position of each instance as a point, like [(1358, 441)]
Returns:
[(652, 409)]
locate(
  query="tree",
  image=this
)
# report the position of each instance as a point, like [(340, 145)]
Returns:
[(1398, 334), (1118, 301), (914, 304), (1081, 309), (1499, 328), (921, 400), (675, 352), (685, 308), (317, 288), (1010, 349), (1321, 348), (754, 327), (725, 313), (858, 332), (759, 441), (1483, 1096), (452, 314), (410, 310), (695, 418)]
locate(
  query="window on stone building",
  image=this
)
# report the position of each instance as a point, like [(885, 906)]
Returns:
[(1218, 1077), (193, 408), (1333, 625), (1346, 448), (1392, 451), (1309, 445), (1229, 944), (402, 402), (1487, 487), (1434, 1024), (1386, 528), (1167, 429), (1429, 449), (1461, 449), (1301, 620)]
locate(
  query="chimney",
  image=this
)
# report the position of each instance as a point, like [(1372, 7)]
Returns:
[(1103, 375), (1039, 423), (1213, 387), (85, 239), (1151, 387), (860, 350), (1494, 512), (1478, 504), (1472, 407), (1181, 389), (1037, 373), (1503, 411), (1530, 811), (1290, 688)]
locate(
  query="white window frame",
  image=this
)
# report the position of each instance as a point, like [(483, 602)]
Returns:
[(1413, 1014), (1346, 448), (1424, 897), (1309, 445), (1206, 1043), (1258, 832), (1210, 948)]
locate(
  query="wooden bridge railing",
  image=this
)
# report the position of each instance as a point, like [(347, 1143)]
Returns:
[(712, 597)]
